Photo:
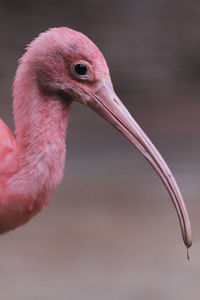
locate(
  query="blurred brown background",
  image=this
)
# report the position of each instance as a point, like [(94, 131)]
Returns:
[(110, 231)]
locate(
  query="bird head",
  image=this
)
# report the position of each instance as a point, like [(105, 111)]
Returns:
[(69, 66)]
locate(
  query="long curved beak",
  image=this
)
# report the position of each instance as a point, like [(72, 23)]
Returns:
[(106, 103)]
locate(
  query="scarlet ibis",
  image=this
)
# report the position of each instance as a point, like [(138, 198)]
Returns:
[(59, 67)]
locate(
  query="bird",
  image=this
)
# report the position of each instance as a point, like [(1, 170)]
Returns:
[(59, 67)]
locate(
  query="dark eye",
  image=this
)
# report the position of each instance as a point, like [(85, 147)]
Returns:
[(80, 69)]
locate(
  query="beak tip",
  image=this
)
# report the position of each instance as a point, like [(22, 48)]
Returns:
[(187, 237)]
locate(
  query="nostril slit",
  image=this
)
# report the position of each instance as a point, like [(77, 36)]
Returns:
[(115, 101)]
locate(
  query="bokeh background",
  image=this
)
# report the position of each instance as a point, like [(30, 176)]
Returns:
[(110, 231)]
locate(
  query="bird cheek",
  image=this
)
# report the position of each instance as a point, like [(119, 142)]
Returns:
[(68, 92), (67, 95)]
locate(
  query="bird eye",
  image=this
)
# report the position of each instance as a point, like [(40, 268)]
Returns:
[(80, 69)]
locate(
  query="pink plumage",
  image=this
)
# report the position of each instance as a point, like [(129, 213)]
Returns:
[(59, 67)]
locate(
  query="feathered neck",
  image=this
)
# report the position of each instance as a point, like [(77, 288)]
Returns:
[(40, 122)]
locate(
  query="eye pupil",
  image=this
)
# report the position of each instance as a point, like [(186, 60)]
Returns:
[(80, 69)]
